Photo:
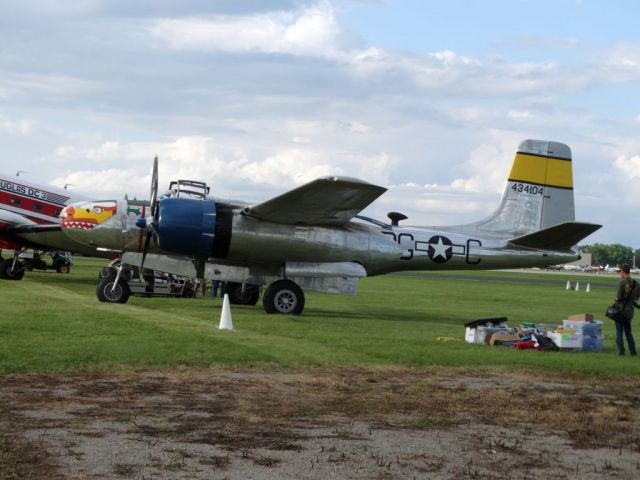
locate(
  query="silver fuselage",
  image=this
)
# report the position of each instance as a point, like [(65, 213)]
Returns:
[(266, 247), (379, 250)]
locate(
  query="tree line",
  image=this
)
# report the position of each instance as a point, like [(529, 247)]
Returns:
[(610, 254)]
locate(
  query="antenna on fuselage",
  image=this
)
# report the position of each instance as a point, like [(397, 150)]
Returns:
[(396, 217), (68, 185), (19, 172)]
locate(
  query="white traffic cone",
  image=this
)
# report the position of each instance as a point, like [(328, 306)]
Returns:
[(577, 286), (588, 288), (568, 285), (226, 323)]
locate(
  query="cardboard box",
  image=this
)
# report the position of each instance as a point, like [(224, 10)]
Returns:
[(482, 335), (485, 333), (581, 317), (503, 337), (565, 340)]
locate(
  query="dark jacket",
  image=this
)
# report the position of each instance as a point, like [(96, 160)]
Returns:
[(628, 291)]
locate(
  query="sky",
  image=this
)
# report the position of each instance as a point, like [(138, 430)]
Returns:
[(427, 98)]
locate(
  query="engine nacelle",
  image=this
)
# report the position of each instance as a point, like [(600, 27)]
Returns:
[(186, 226)]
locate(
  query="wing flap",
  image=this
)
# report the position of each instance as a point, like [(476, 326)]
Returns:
[(559, 237), (325, 201)]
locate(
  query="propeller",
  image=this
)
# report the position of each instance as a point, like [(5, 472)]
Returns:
[(151, 223)]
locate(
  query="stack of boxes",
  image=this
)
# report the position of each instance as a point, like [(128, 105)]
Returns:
[(480, 331), (579, 332)]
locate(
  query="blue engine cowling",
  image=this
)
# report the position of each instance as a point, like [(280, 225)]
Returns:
[(186, 226)]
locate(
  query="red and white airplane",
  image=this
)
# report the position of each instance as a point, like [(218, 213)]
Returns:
[(29, 220)]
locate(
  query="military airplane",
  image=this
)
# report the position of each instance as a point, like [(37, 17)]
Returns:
[(29, 219), (314, 238)]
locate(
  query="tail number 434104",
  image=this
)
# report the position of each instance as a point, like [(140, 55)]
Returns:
[(527, 188)]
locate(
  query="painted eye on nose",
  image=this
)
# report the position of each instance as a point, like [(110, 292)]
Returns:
[(97, 209)]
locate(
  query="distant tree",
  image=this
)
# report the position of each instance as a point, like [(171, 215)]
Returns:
[(609, 254)]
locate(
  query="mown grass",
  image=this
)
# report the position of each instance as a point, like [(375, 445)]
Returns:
[(52, 322)]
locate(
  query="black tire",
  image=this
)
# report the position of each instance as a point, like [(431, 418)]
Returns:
[(238, 296), (119, 295), (188, 292), (3, 268), (283, 296), (7, 273)]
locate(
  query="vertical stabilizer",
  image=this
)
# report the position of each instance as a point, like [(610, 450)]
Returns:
[(539, 191)]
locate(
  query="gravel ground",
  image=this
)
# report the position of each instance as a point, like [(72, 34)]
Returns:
[(318, 423)]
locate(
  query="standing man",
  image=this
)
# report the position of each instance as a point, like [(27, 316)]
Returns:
[(628, 291)]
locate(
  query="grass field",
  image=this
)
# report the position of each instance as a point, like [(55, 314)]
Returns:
[(52, 322)]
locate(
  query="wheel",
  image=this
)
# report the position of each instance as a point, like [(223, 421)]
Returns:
[(8, 273), (63, 267), (106, 292), (239, 296), (3, 268), (188, 292), (283, 296)]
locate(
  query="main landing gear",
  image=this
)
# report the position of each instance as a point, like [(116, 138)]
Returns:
[(283, 296), (12, 268), (242, 293)]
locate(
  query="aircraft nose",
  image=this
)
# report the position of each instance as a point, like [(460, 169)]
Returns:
[(87, 215), (97, 223)]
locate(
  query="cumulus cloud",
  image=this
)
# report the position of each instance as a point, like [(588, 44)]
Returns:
[(487, 167), (107, 182), (629, 167), (232, 172), (312, 31), (627, 170)]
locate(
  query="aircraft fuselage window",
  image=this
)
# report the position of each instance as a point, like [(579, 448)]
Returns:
[(37, 207), (15, 201)]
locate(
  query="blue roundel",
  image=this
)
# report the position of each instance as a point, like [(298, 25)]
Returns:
[(186, 226)]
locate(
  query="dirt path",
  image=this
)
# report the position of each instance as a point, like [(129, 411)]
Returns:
[(320, 423)]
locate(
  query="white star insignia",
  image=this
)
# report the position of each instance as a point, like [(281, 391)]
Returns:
[(440, 249)]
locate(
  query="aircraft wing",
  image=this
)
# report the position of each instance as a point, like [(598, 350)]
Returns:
[(325, 201), (559, 237)]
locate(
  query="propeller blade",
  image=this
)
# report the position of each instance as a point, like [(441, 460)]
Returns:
[(151, 223), (147, 240), (154, 184)]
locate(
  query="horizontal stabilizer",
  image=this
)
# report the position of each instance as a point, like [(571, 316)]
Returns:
[(559, 237), (325, 201)]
